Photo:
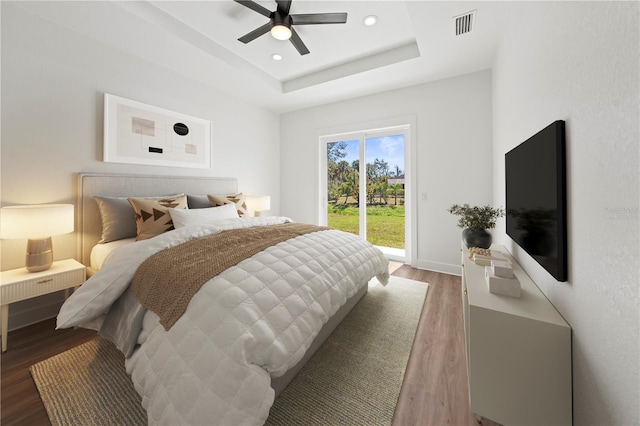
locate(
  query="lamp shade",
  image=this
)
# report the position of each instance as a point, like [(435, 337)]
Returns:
[(36, 221), (258, 203)]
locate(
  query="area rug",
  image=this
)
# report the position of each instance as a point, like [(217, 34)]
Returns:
[(353, 379), (88, 385)]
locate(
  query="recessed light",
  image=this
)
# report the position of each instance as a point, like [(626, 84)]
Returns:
[(370, 20), (276, 57)]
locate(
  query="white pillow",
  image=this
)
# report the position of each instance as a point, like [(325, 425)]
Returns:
[(182, 218)]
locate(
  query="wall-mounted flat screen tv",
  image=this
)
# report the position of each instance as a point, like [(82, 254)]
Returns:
[(536, 201)]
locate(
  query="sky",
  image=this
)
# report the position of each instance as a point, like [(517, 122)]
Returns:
[(388, 148)]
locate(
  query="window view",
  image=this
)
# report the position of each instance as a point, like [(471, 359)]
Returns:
[(343, 185), (377, 186)]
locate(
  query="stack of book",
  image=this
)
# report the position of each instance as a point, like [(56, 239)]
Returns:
[(501, 280), (485, 260)]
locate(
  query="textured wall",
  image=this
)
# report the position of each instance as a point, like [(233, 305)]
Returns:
[(579, 62)]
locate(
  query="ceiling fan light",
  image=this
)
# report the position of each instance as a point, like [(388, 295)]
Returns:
[(281, 32)]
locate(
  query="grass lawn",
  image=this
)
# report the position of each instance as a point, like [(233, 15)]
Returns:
[(385, 224)]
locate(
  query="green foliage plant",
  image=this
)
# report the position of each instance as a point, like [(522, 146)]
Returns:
[(476, 217)]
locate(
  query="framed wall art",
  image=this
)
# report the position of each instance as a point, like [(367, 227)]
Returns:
[(136, 133)]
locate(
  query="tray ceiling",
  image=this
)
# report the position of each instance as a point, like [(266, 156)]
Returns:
[(412, 42)]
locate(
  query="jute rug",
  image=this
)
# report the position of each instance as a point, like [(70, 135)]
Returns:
[(353, 379)]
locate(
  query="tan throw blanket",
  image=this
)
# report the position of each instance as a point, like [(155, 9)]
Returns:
[(166, 282)]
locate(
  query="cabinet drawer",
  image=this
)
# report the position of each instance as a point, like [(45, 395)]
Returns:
[(27, 288)]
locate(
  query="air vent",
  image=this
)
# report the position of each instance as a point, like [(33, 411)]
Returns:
[(465, 22)]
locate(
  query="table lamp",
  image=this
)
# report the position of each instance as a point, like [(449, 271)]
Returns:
[(37, 223), (258, 203)]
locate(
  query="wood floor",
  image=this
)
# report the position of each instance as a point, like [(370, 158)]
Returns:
[(434, 391)]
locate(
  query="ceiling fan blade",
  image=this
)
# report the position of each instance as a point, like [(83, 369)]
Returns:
[(297, 43), (256, 33), (319, 18), (284, 6), (255, 7)]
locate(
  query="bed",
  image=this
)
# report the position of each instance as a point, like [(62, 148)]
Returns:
[(244, 332)]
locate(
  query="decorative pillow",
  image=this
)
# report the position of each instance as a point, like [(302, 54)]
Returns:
[(198, 201), (238, 200), (152, 216), (182, 218), (118, 219)]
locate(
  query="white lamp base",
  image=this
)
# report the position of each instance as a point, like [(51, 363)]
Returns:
[(39, 254)]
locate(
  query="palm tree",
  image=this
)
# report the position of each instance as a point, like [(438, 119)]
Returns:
[(353, 183), (395, 189), (345, 189)]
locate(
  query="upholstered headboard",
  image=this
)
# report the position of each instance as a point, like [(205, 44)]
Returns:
[(88, 221)]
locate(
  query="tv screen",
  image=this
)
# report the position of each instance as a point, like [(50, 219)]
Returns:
[(536, 204)]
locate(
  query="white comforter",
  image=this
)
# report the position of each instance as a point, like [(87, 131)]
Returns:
[(252, 322)]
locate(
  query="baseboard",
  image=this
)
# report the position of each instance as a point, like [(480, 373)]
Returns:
[(445, 268)]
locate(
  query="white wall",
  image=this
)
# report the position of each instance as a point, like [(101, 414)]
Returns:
[(454, 155), (579, 62), (53, 82)]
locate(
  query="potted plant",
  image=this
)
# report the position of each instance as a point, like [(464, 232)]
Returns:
[(475, 221)]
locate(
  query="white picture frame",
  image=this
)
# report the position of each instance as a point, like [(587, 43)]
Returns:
[(136, 133)]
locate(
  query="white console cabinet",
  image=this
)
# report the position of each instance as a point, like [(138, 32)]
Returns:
[(518, 351)]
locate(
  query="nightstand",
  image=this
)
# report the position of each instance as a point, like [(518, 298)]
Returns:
[(19, 284)]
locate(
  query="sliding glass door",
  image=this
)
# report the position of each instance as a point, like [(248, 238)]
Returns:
[(343, 185), (364, 184)]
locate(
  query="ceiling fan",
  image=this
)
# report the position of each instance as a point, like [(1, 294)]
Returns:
[(281, 22)]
